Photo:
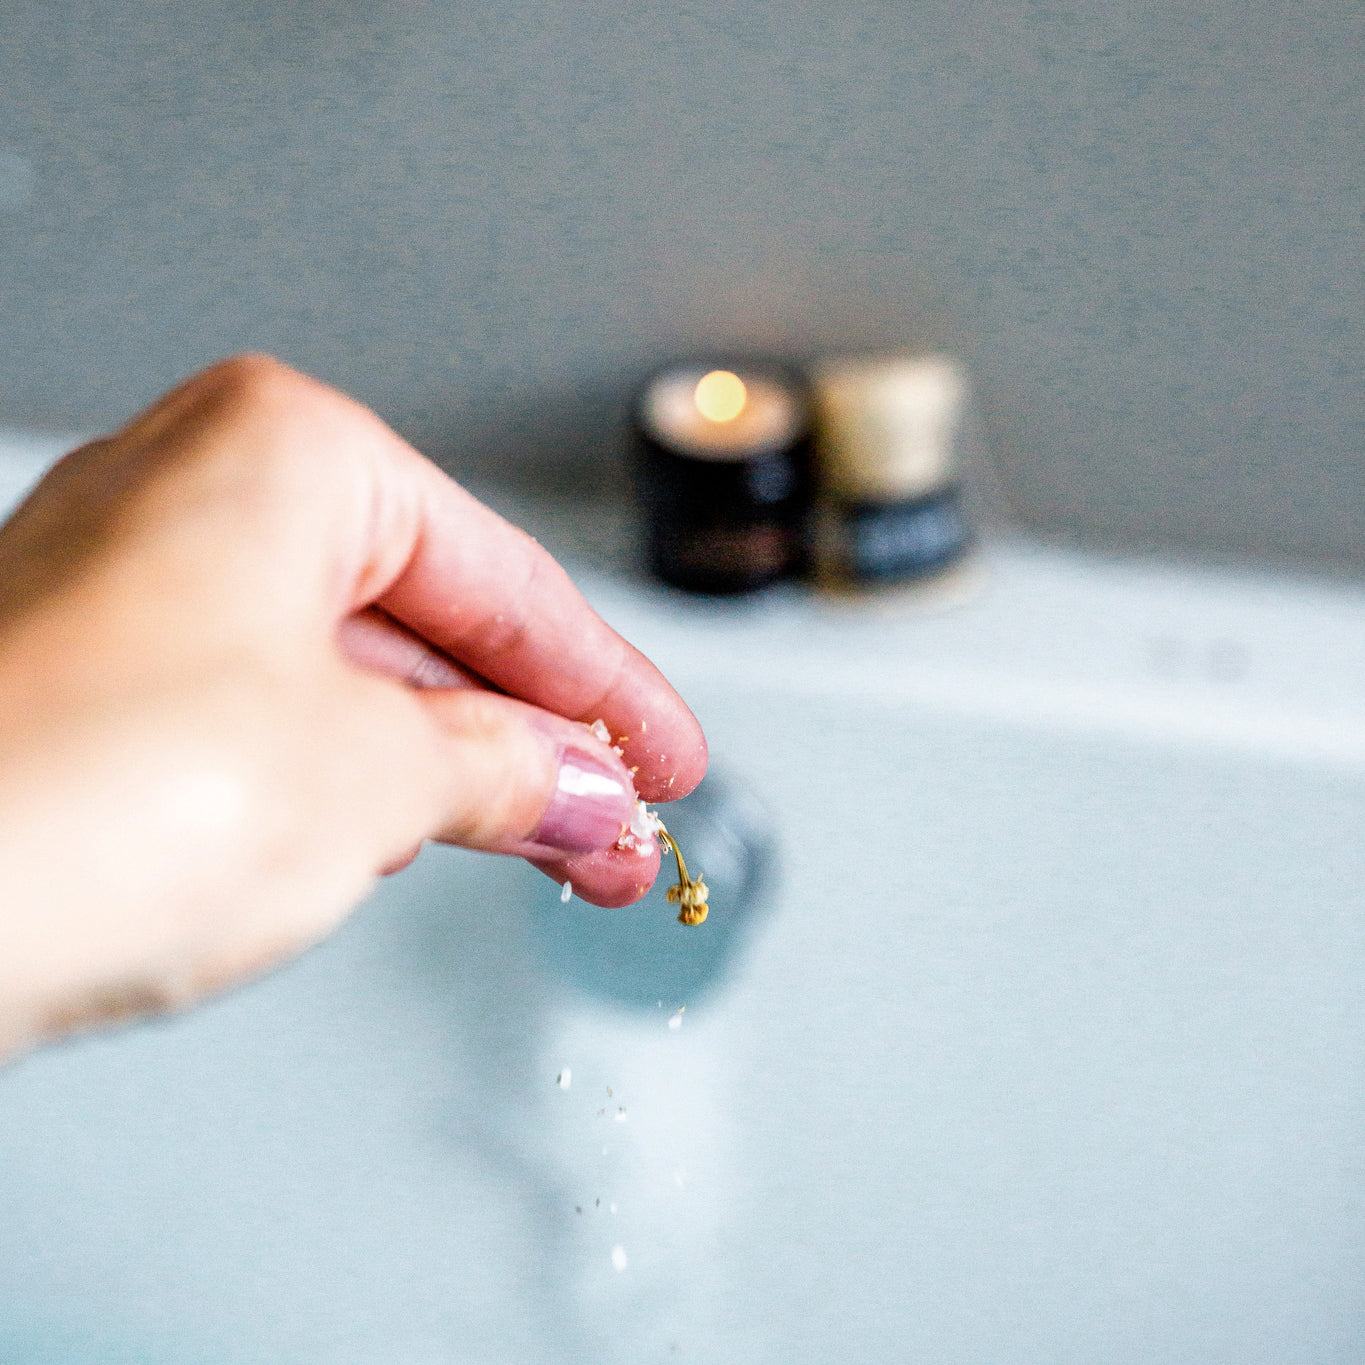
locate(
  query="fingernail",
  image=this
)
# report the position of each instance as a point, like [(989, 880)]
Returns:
[(591, 803)]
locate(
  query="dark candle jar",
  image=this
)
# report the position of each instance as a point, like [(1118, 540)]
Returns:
[(723, 475)]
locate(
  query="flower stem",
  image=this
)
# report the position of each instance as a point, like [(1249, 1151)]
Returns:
[(671, 845)]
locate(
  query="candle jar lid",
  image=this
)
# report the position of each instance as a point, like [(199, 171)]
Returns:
[(886, 426)]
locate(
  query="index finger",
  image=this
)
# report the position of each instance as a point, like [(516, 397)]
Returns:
[(485, 593), (401, 534)]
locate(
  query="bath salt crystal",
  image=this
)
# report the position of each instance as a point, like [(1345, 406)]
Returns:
[(644, 825), (618, 1257), (620, 1115), (565, 1079), (600, 731), (675, 1020), (566, 893)]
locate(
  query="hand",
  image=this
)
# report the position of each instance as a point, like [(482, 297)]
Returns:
[(253, 650)]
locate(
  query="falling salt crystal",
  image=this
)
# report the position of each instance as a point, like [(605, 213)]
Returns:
[(566, 892), (612, 1208), (675, 1021), (564, 1079), (618, 1257), (620, 1115), (600, 731)]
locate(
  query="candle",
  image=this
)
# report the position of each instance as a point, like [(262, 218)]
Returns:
[(886, 450), (723, 476)]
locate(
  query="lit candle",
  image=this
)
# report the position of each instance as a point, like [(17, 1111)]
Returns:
[(723, 475)]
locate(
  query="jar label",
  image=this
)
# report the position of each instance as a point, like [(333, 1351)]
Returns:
[(901, 539)]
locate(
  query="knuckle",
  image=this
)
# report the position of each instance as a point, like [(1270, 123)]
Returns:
[(250, 376)]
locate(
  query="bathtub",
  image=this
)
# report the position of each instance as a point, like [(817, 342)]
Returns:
[(1034, 1030)]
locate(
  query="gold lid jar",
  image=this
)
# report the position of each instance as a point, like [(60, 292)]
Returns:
[(887, 435)]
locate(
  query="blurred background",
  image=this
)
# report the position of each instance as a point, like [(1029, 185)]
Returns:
[(1140, 224), (1026, 1026)]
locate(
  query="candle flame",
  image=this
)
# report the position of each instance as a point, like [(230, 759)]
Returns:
[(720, 396)]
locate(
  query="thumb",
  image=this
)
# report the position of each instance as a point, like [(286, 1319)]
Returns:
[(524, 781)]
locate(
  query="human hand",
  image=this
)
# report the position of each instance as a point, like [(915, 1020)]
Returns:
[(253, 650)]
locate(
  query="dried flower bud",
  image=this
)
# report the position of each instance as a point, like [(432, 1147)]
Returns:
[(689, 893)]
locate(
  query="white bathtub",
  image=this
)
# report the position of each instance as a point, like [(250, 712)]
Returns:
[(1048, 1044)]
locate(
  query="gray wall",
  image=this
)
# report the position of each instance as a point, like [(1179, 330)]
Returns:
[(1140, 223)]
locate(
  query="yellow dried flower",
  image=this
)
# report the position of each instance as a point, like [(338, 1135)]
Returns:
[(689, 894)]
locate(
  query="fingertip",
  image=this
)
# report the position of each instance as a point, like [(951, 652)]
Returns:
[(670, 770), (661, 741), (612, 879)]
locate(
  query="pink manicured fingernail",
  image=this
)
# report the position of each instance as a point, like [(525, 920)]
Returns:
[(591, 803)]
